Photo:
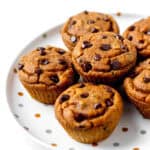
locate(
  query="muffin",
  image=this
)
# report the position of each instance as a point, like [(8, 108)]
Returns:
[(89, 113), (139, 34), (137, 87), (86, 22), (103, 57), (45, 72)]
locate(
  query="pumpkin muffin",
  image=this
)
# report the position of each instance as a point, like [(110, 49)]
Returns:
[(89, 113), (139, 34), (86, 22), (103, 57), (45, 72), (137, 87)]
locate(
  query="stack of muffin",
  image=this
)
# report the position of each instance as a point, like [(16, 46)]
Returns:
[(91, 109)]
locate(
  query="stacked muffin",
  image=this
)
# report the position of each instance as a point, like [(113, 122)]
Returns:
[(91, 109)]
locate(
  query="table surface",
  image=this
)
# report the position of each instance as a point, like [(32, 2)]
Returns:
[(21, 22)]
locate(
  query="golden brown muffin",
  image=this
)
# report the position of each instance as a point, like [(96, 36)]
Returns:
[(86, 22), (139, 34), (103, 57), (137, 87), (45, 72), (89, 113)]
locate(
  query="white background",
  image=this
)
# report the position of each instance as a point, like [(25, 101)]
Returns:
[(20, 22)]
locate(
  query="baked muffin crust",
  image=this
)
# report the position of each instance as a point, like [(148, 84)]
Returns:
[(103, 57), (85, 107), (86, 22), (46, 69), (139, 34), (137, 87)]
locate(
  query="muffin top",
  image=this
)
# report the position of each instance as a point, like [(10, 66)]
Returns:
[(85, 105), (46, 66), (87, 22), (138, 83), (103, 53), (139, 34)]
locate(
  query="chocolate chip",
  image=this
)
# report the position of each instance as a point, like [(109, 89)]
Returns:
[(79, 117), (42, 52), (109, 90), (86, 66), (146, 79), (86, 12), (131, 28), (139, 49), (20, 66), (97, 106), (62, 62), (81, 126), (119, 37), (86, 44), (124, 48), (132, 73), (84, 95), (94, 30), (81, 85), (54, 78), (64, 98), (44, 62), (41, 48), (61, 51), (147, 32), (115, 64), (38, 71), (105, 47), (108, 102), (73, 22), (97, 57), (130, 38), (104, 37), (141, 41), (90, 22), (73, 39), (98, 18), (111, 27), (106, 18)]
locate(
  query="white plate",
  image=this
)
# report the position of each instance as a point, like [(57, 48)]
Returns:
[(47, 131)]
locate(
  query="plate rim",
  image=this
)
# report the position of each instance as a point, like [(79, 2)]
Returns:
[(10, 69)]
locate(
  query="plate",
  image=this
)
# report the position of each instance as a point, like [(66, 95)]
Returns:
[(38, 120)]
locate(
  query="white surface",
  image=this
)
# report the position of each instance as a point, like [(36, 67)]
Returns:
[(20, 22)]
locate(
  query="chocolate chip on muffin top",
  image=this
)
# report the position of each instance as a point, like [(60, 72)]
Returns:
[(45, 65), (83, 105), (137, 87), (139, 34), (104, 55), (82, 23)]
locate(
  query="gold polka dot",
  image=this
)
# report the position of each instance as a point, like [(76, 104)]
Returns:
[(20, 93), (54, 144), (118, 14), (15, 70), (37, 115)]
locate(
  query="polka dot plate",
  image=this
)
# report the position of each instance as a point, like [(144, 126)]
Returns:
[(39, 121)]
